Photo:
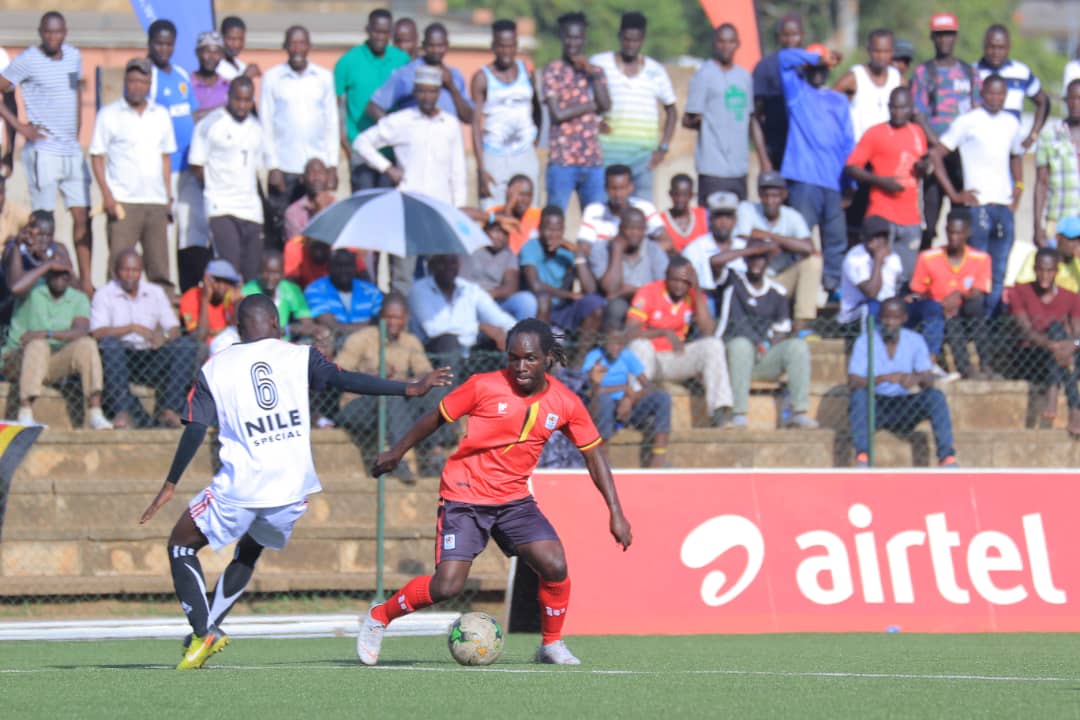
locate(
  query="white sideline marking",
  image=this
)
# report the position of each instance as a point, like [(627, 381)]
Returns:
[(548, 671), (240, 626)]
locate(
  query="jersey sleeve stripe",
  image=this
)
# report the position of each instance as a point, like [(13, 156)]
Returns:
[(446, 413), (591, 445), (639, 314)]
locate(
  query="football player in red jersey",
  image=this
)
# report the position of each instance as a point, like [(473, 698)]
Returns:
[(484, 490)]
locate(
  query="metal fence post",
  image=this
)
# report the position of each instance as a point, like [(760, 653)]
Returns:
[(380, 482), (870, 388)]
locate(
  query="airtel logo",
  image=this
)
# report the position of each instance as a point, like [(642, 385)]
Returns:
[(835, 570), (708, 541)]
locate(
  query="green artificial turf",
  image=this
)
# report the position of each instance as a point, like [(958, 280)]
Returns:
[(743, 676)]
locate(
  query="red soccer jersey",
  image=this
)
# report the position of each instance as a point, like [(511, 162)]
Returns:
[(893, 152), (505, 435), (656, 310), (936, 276)]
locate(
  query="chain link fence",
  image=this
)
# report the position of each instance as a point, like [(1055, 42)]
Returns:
[(71, 545)]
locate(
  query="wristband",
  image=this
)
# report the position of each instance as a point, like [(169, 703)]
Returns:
[(1018, 185), (491, 218), (663, 147), (580, 261)]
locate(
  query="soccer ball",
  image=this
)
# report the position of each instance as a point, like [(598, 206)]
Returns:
[(475, 639)]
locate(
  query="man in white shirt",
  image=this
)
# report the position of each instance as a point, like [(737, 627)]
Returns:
[(429, 151), (450, 313), (991, 148), (600, 220), (226, 153), (871, 272), (637, 85), (1019, 78), (299, 113), (130, 155)]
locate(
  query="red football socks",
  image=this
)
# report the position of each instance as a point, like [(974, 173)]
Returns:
[(554, 599), (416, 595)]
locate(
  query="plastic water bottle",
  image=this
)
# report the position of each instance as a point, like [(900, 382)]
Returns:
[(892, 629), (785, 407)]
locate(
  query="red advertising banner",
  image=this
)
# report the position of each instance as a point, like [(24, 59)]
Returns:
[(834, 551)]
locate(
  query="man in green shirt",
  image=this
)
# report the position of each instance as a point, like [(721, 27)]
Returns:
[(357, 75), (292, 307), (52, 329)]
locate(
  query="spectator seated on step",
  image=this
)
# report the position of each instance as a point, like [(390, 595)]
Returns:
[(294, 313), (621, 396), (342, 302), (755, 324), (904, 389), (139, 336), (207, 309), (49, 341), (658, 325), (404, 359), (455, 317), (1048, 318), (495, 269)]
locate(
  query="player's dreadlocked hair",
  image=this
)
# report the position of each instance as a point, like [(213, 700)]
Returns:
[(549, 344)]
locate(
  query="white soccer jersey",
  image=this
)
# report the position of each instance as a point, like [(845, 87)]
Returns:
[(257, 395)]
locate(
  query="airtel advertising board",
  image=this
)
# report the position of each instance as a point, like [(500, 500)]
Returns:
[(833, 551)]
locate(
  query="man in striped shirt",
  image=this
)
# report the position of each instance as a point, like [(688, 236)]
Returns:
[(1019, 79), (629, 134), (51, 78)]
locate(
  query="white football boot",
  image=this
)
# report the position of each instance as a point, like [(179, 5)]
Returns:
[(369, 641), (556, 653)]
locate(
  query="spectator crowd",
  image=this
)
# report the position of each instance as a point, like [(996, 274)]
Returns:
[(853, 171)]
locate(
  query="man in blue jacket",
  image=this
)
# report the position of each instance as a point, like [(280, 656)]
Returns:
[(819, 140)]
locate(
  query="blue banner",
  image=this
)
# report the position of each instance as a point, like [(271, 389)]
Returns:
[(191, 17)]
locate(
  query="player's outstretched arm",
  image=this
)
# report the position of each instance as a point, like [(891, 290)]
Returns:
[(600, 472), (363, 384), (190, 441), (388, 460)]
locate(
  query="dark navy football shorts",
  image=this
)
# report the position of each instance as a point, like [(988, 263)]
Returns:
[(463, 529)]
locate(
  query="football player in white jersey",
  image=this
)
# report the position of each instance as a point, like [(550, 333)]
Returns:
[(256, 392)]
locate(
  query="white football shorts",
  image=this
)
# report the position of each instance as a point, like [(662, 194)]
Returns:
[(223, 523)]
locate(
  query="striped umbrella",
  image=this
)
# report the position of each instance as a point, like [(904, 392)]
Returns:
[(405, 224)]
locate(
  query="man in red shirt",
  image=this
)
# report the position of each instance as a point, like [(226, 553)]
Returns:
[(207, 309), (484, 491), (895, 153), (953, 282), (1049, 321), (659, 321)]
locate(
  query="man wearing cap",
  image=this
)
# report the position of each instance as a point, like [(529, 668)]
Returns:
[(872, 272), (211, 89), (720, 108), (889, 160), (429, 154), (299, 114), (208, 309), (718, 251), (49, 340), (1067, 242), (130, 154), (397, 92), (820, 138), (1057, 168), (903, 54), (942, 89), (226, 155), (796, 265)]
